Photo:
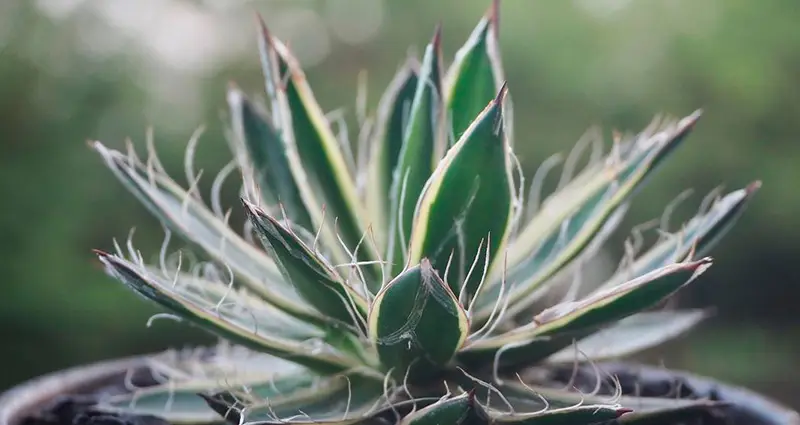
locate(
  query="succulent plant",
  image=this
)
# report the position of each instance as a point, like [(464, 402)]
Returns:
[(414, 281)]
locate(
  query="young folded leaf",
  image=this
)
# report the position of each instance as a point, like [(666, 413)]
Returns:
[(238, 329), (464, 215), (457, 410), (476, 74), (314, 280), (423, 138), (262, 155), (555, 327), (325, 175), (416, 322), (391, 121)]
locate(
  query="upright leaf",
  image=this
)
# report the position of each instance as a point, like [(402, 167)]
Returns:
[(320, 170), (464, 215), (476, 74), (457, 410), (394, 110), (422, 136), (416, 322), (262, 154), (313, 279)]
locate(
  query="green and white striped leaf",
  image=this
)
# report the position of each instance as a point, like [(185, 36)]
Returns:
[(261, 154), (631, 335), (556, 327), (464, 214), (699, 235), (318, 283), (456, 410), (638, 410), (184, 214), (176, 399), (476, 74), (394, 110), (416, 322), (339, 400), (239, 329), (570, 218), (423, 138), (319, 168)]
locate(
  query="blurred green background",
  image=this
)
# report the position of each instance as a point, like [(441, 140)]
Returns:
[(73, 70)]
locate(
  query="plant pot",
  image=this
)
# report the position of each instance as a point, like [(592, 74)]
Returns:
[(65, 397)]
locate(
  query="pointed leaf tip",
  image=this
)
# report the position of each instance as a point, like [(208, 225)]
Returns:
[(436, 41), (493, 15), (753, 187), (623, 410), (501, 94)]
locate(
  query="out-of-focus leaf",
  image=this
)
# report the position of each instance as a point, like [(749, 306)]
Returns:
[(416, 322), (553, 329), (457, 410), (176, 399), (464, 215), (422, 136), (394, 110), (570, 218), (184, 214), (630, 335), (700, 234), (577, 415), (261, 153), (322, 173), (315, 280), (476, 74), (240, 329)]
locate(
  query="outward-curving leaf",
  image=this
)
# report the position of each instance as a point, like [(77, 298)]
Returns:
[(577, 415), (416, 322), (476, 74), (464, 215), (240, 329), (569, 219), (175, 399), (313, 279), (630, 335), (392, 118), (186, 215), (322, 172), (423, 138), (555, 327), (457, 410), (261, 153), (699, 235)]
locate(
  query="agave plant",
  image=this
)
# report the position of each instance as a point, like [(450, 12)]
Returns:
[(414, 281)]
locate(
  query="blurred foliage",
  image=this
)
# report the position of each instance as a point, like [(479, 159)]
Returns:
[(72, 70)]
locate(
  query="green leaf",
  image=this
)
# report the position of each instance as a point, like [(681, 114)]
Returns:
[(392, 118), (556, 327), (314, 280), (416, 322), (570, 218), (476, 74), (340, 399), (456, 410), (422, 138), (631, 335), (699, 235), (176, 399), (239, 328), (261, 153), (184, 214), (321, 172), (575, 415), (464, 214)]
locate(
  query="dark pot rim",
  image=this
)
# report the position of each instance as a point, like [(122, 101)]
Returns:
[(29, 397), (32, 396)]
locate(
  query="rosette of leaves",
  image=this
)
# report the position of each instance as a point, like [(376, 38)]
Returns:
[(412, 282)]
